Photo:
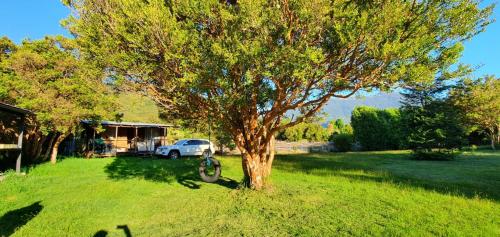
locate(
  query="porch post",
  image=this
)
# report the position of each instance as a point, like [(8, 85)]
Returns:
[(135, 140), (116, 139), (152, 139), (93, 143), (164, 142), (20, 145)]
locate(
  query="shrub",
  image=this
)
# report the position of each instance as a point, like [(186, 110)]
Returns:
[(315, 132), (311, 131), (471, 148), (337, 127), (293, 134), (343, 142), (441, 155), (376, 129)]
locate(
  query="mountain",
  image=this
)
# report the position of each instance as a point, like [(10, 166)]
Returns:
[(138, 108), (342, 108)]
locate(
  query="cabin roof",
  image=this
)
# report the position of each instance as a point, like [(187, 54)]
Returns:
[(13, 109), (129, 124)]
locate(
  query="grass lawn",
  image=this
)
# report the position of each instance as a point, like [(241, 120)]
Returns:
[(372, 193)]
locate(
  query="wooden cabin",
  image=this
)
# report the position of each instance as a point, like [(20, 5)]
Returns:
[(111, 138), (12, 120)]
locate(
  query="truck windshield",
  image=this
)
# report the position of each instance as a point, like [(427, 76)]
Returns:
[(179, 142)]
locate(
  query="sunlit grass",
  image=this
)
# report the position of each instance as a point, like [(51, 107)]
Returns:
[(365, 193)]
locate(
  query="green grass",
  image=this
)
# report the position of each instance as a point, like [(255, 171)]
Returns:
[(375, 193)]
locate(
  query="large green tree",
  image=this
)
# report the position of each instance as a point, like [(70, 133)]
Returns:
[(47, 77), (436, 125), (480, 101), (431, 124), (249, 62)]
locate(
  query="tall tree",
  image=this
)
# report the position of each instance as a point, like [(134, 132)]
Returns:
[(249, 62), (46, 77), (436, 125), (480, 101), (430, 120)]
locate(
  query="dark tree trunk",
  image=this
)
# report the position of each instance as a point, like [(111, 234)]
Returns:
[(493, 143), (53, 157), (39, 147), (49, 147), (493, 138)]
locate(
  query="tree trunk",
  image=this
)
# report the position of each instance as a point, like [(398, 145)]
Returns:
[(270, 154), (492, 137), (498, 134), (53, 157), (253, 170), (39, 147), (257, 164), (493, 142), (49, 148)]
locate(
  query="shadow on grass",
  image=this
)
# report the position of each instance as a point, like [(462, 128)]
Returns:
[(14, 219), (101, 233), (182, 171), (104, 233), (448, 177)]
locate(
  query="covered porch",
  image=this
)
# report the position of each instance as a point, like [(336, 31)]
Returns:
[(12, 121), (110, 138)]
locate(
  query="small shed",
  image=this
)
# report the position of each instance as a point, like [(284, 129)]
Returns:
[(113, 137), (12, 121)]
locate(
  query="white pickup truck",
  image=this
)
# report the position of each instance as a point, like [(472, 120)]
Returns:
[(186, 147)]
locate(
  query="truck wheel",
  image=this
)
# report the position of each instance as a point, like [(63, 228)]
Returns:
[(174, 155), (210, 174)]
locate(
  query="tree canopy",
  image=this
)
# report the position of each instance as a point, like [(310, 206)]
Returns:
[(480, 102), (46, 77), (249, 62)]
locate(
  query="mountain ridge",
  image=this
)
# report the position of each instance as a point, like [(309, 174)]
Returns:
[(342, 108)]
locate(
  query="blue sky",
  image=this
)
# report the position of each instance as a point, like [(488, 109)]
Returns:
[(20, 19)]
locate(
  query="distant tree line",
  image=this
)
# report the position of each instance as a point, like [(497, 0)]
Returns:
[(435, 120)]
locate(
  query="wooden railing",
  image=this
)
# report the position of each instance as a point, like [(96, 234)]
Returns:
[(113, 146), (9, 146)]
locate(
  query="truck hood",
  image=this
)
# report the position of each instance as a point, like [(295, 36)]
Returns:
[(169, 147)]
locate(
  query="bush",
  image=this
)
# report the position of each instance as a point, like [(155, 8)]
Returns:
[(337, 127), (343, 142), (376, 129), (442, 155), (312, 132), (471, 148), (292, 134), (315, 133)]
